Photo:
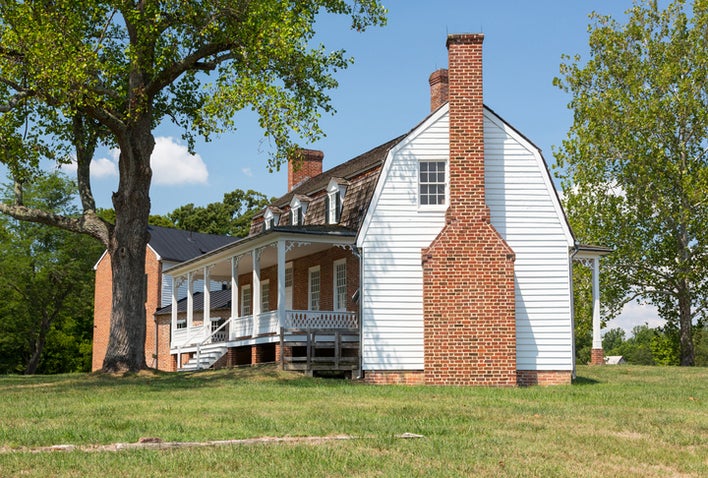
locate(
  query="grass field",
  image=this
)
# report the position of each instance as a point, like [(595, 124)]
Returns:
[(613, 421)]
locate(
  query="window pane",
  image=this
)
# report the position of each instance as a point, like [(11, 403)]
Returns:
[(314, 285), (431, 183), (340, 286)]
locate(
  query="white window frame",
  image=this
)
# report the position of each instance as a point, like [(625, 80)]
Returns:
[(339, 295), (445, 183), (314, 294), (246, 300), (332, 211), (265, 295)]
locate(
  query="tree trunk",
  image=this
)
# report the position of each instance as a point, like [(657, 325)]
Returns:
[(39, 342), (126, 343), (685, 326)]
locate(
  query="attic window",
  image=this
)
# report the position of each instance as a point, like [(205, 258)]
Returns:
[(270, 219), (431, 183), (333, 201), (298, 208)]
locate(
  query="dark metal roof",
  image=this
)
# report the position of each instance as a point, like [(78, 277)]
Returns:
[(219, 299), (178, 246)]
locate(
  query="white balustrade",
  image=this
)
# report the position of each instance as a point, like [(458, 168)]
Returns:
[(318, 319)]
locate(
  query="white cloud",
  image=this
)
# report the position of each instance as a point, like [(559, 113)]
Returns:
[(247, 172), (172, 164), (634, 314), (100, 168), (103, 168)]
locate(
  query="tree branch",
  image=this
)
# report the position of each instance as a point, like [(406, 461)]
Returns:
[(89, 223), (170, 74)]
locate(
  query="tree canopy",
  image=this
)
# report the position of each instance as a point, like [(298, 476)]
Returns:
[(46, 313), (77, 73), (634, 166)]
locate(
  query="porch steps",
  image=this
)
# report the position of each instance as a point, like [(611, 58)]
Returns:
[(208, 357)]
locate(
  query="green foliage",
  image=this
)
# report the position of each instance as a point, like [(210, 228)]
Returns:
[(46, 315), (634, 166), (582, 302), (230, 217)]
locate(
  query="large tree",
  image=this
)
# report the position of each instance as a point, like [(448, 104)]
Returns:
[(82, 71), (635, 164), (46, 287)]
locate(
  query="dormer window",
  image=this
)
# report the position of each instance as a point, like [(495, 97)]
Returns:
[(270, 219), (334, 199), (298, 208)]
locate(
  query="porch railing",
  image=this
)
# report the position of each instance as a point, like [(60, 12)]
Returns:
[(236, 328), (320, 319)]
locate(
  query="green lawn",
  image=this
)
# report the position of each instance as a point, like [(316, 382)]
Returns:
[(614, 421)]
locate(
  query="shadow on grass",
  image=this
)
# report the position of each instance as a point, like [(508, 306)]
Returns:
[(158, 381), (585, 381)]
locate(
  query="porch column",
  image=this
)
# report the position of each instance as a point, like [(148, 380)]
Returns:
[(190, 300), (597, 354), (175, 285), (206, 314), (256, 288), (234, 287), (281, 283)]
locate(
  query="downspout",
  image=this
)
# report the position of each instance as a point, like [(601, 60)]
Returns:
[(573, 251), (359, 255), (157, 343)]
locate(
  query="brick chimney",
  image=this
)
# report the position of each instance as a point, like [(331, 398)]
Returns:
[(306, 164), (469, 320), (438, 88)]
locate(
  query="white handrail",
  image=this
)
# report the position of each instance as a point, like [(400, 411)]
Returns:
[(214, 332)]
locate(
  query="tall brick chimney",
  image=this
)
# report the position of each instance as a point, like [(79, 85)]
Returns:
[(469, 318), (438, 88), (306, 164)]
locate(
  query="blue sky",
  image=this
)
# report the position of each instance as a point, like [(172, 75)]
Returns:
[(385, 93)]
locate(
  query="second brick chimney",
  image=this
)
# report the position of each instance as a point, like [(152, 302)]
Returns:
[(438, 88), (469, 319), (306, 164)]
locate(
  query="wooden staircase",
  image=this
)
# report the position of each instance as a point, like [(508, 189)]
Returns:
[(330, 350), (205, 359)]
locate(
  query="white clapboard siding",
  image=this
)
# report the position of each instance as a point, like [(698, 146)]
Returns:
[(525, 211), (393, 235)]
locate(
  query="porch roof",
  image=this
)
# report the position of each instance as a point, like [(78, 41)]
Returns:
[(315, 234), (220, 300), (588, 251)]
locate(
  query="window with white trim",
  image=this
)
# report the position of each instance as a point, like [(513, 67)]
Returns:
[(265, 295), (313, 288), (431, 183), (296, 215), (333, 201), (245, 300), (340, 284)]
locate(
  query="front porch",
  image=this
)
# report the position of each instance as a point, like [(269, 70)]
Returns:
[(289, 295)]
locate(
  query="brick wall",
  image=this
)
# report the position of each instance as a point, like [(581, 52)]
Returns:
[(103, 303), (544, 377), (468, 270), (402, 377)]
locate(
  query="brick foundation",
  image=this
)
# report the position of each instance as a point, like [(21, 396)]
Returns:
[(597, 357), (262, 353), (527, 378), (396, 377)]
